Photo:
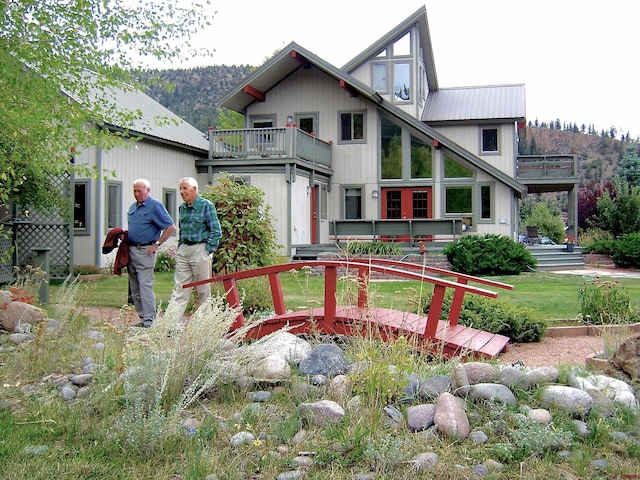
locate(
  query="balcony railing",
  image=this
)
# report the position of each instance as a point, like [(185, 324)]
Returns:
[(547, 166), (288, 142)]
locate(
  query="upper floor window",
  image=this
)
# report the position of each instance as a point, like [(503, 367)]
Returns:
[(401, 82), (352, 127), (402, 46), (489, 140), (380, 77)]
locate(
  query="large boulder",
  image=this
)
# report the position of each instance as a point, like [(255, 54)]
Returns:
[(17, 313), (626, 359)]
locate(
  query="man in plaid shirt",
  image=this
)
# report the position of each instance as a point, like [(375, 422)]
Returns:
[(199, 235)]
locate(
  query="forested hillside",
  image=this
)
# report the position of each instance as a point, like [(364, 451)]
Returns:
[(197, 91)]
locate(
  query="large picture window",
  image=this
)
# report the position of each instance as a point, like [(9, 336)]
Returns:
[(458, 200), (391, 138), (421, 162), (453, 169)]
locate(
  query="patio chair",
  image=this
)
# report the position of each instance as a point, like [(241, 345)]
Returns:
[(533, 238)]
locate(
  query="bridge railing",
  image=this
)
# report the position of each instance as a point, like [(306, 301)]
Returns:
[(394, 268)]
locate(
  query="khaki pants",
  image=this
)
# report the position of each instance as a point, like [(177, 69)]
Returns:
[(193, 263)]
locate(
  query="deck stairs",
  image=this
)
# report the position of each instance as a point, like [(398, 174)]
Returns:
[(556, 257)]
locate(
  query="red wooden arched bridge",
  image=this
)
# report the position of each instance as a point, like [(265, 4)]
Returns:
[(428, 333)]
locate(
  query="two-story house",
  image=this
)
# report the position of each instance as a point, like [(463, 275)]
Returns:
[(377, 139)]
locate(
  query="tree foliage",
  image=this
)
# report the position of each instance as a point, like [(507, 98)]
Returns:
[(248, 236), (628, 168), (619, 212), (59, 60)]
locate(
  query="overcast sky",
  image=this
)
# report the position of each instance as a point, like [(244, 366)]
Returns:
[(575, 57)]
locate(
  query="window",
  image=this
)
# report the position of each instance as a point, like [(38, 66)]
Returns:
[(324, 198), (114, 204), (262, 138), (453, 169), (352, 203), (401, 82), (486, 202), (352, 127), (402, 46), (307, 122), (421, 164), (169, 202), (458, 200), (81, 211), (394, 204), (391, 138), (380, 77), (489, 140)]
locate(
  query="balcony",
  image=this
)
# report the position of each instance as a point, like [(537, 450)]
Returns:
[(547, 173), (269, 143)]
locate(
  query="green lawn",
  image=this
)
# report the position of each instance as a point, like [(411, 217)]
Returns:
[(554, 296)]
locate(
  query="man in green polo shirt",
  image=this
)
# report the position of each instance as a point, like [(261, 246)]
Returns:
[(199, 235)]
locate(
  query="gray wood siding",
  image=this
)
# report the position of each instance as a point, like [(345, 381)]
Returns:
[(162, 166)]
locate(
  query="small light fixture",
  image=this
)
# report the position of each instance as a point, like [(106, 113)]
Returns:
[(289, 121), (374, 194), (308, 189)]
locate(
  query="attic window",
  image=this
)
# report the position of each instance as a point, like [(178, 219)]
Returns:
[(402, 46), (401, 82)]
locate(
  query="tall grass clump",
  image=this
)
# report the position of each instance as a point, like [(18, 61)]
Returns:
[(604, 302), (169, 366)]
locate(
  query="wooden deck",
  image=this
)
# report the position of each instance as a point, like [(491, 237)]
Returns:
[(427, 332)]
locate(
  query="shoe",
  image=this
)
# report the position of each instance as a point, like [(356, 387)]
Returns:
[(143, 324)]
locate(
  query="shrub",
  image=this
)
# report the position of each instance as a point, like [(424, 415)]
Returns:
[(248, 236), (590, 236), (626, 251), (489, 254), (165, 259), (86, 270), (373, 248), (605, 303), (548, 224), (501, 317)]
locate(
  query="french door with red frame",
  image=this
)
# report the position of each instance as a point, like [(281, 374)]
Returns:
[(406, 203)]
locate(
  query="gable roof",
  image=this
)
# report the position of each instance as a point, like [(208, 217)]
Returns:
[(152, 120), (495, 102), (293, 57), (419, 17)]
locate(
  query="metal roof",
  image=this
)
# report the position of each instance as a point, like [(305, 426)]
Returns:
[(152, 120), (493, 102)]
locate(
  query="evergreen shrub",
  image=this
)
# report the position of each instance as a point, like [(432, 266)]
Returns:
[(489, 254), (501, 317), (626, 251)]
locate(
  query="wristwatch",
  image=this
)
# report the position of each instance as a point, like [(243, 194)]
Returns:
[(158, 243)]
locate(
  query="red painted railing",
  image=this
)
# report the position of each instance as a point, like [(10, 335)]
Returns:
[(405, 270)]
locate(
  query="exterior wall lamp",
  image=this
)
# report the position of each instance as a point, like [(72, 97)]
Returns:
[(375, 194)]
